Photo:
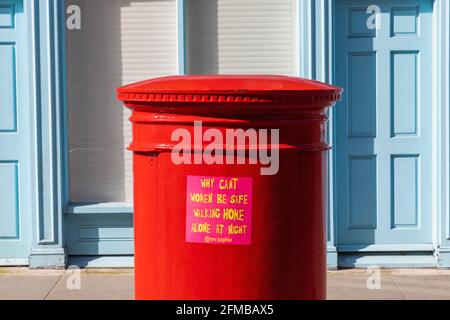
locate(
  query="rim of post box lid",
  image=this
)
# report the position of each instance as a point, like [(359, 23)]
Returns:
[(230, 89)]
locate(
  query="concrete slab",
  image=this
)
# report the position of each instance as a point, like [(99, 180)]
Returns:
[(118, 284), (430, 287), (15, 286), (111, 286), (353, 285)]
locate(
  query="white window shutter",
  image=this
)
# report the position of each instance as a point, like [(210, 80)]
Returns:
[(242, 37), (121, 41)]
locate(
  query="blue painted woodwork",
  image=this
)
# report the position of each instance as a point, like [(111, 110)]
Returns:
[(315, 42), (15, 174), (7, 15), (46, 55), (40, 164), (111, 222), (384, 124), (442, 124), (317, 24), (99, 234), (383, 260)]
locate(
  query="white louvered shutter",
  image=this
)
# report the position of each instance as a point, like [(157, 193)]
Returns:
[(121, 41), (241, 37)]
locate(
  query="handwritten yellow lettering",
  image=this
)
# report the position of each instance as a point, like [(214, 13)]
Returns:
[(239, 199), (207, 183), (201, 228), (201, 198), (219, 229), (239, 230), (233, 214), (228, 184), (221, 199), (207, 213)]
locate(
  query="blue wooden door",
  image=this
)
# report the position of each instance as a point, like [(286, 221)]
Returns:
[(14, 134), (384, 136)]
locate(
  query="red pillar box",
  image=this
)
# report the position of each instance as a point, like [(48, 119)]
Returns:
[(230, 186)]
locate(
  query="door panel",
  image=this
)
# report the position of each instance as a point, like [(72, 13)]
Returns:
[(384, 138), (14, 133)]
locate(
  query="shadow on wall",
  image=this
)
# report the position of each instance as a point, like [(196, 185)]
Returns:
[(203, 37)]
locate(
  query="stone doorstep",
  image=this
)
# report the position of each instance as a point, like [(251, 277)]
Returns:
[(12, 271), (396, 272)]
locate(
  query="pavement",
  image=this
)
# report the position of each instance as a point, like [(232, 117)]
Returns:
[(118, 284)]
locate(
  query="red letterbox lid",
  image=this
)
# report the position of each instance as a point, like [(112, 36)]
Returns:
[(227, 89)]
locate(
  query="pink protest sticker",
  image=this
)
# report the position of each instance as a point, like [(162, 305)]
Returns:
[(219, 210)]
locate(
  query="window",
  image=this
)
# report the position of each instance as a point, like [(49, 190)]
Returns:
[(124, 41), (121, 41), (241, 37)]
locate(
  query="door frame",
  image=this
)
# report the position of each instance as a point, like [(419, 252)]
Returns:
[(45, 84), (323, 51), (46, 21)]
